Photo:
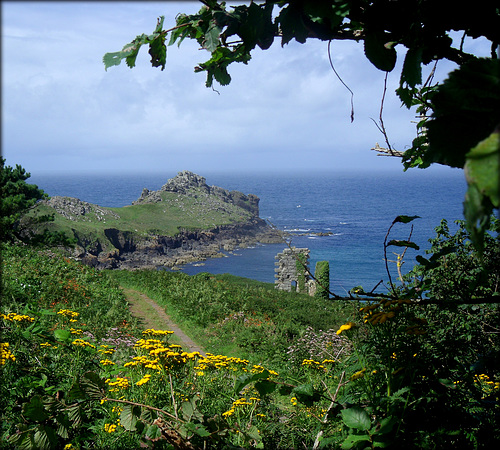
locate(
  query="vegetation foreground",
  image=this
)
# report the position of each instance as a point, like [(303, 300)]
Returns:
[(78, 372)]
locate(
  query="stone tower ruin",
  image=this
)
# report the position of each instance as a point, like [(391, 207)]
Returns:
[(291, 275)]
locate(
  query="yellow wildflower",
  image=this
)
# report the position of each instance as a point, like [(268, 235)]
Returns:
[(110, 427), (143, 380), (14, 317), (5, 353), (346, 327)]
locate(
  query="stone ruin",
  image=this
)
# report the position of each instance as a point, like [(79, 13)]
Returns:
[(292, 272)]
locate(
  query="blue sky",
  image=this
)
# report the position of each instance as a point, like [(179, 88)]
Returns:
[(285, 110)]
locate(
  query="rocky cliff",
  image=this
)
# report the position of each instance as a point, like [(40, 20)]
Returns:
[(186, 220)]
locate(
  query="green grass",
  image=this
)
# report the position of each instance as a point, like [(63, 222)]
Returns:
[(237, 316)]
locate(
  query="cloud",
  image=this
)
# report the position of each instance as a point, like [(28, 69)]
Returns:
[(62, 111)]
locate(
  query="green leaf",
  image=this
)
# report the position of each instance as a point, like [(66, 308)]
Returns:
[(35, 410), (158, 52), (357, 418), (62, 335), (482, 168), (466, 110), (243, 380), (129, 417), (153, 432), (405, 219), (352, 440), (477, 212), (212, 39), (411, 73), (379, 51), (75, 414), (305, 393), (265, 387), (386, 425), (92, 385), (45, 438), (403, 243)]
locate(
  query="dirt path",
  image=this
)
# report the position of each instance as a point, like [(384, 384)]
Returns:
[(154, 316)]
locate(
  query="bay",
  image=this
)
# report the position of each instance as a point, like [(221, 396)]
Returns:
[(356, 209)]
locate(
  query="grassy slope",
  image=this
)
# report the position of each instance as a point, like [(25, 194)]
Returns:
[(174, 213)]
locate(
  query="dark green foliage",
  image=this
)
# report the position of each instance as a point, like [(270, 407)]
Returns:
[(16, 196), (455, 270), (322, 275)]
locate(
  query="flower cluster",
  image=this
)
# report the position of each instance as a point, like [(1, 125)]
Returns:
[(5, 353), (82, 343), (14, 317), (211, 361), (345, 327), (118, 383), (106, 350), (71, 315), (487, 386), (152, 332), (144, 379), (110, 427), (107, 362), (316, 365), (48, 344), (241, 403)]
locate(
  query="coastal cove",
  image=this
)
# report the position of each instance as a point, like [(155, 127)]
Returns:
[(353, 210)]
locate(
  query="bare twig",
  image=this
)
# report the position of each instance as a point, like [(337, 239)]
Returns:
[(342, 81)]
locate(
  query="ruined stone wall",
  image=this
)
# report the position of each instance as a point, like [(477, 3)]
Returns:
[(290, 275)]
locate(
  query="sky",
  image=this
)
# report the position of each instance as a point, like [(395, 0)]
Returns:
[(286, 110)]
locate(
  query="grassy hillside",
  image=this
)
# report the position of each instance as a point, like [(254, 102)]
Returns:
[(173, 213)]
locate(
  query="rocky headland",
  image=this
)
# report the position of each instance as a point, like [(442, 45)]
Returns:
[(184, 221)]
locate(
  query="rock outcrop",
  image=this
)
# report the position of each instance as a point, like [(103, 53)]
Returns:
[(190, 184), (109, 238)]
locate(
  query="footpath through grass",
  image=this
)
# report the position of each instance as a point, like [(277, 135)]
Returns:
[(238, 316)]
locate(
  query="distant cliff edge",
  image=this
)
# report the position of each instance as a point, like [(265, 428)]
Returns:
[(185, 221)]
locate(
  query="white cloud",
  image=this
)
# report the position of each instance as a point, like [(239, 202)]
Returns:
[(286, 107)]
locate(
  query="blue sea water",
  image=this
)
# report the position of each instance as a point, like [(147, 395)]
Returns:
[(357, 208)]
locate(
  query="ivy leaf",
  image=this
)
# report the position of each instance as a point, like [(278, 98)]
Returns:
[(357, 418), (382, 54)]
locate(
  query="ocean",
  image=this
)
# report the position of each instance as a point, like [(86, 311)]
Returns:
[(355, 208)]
